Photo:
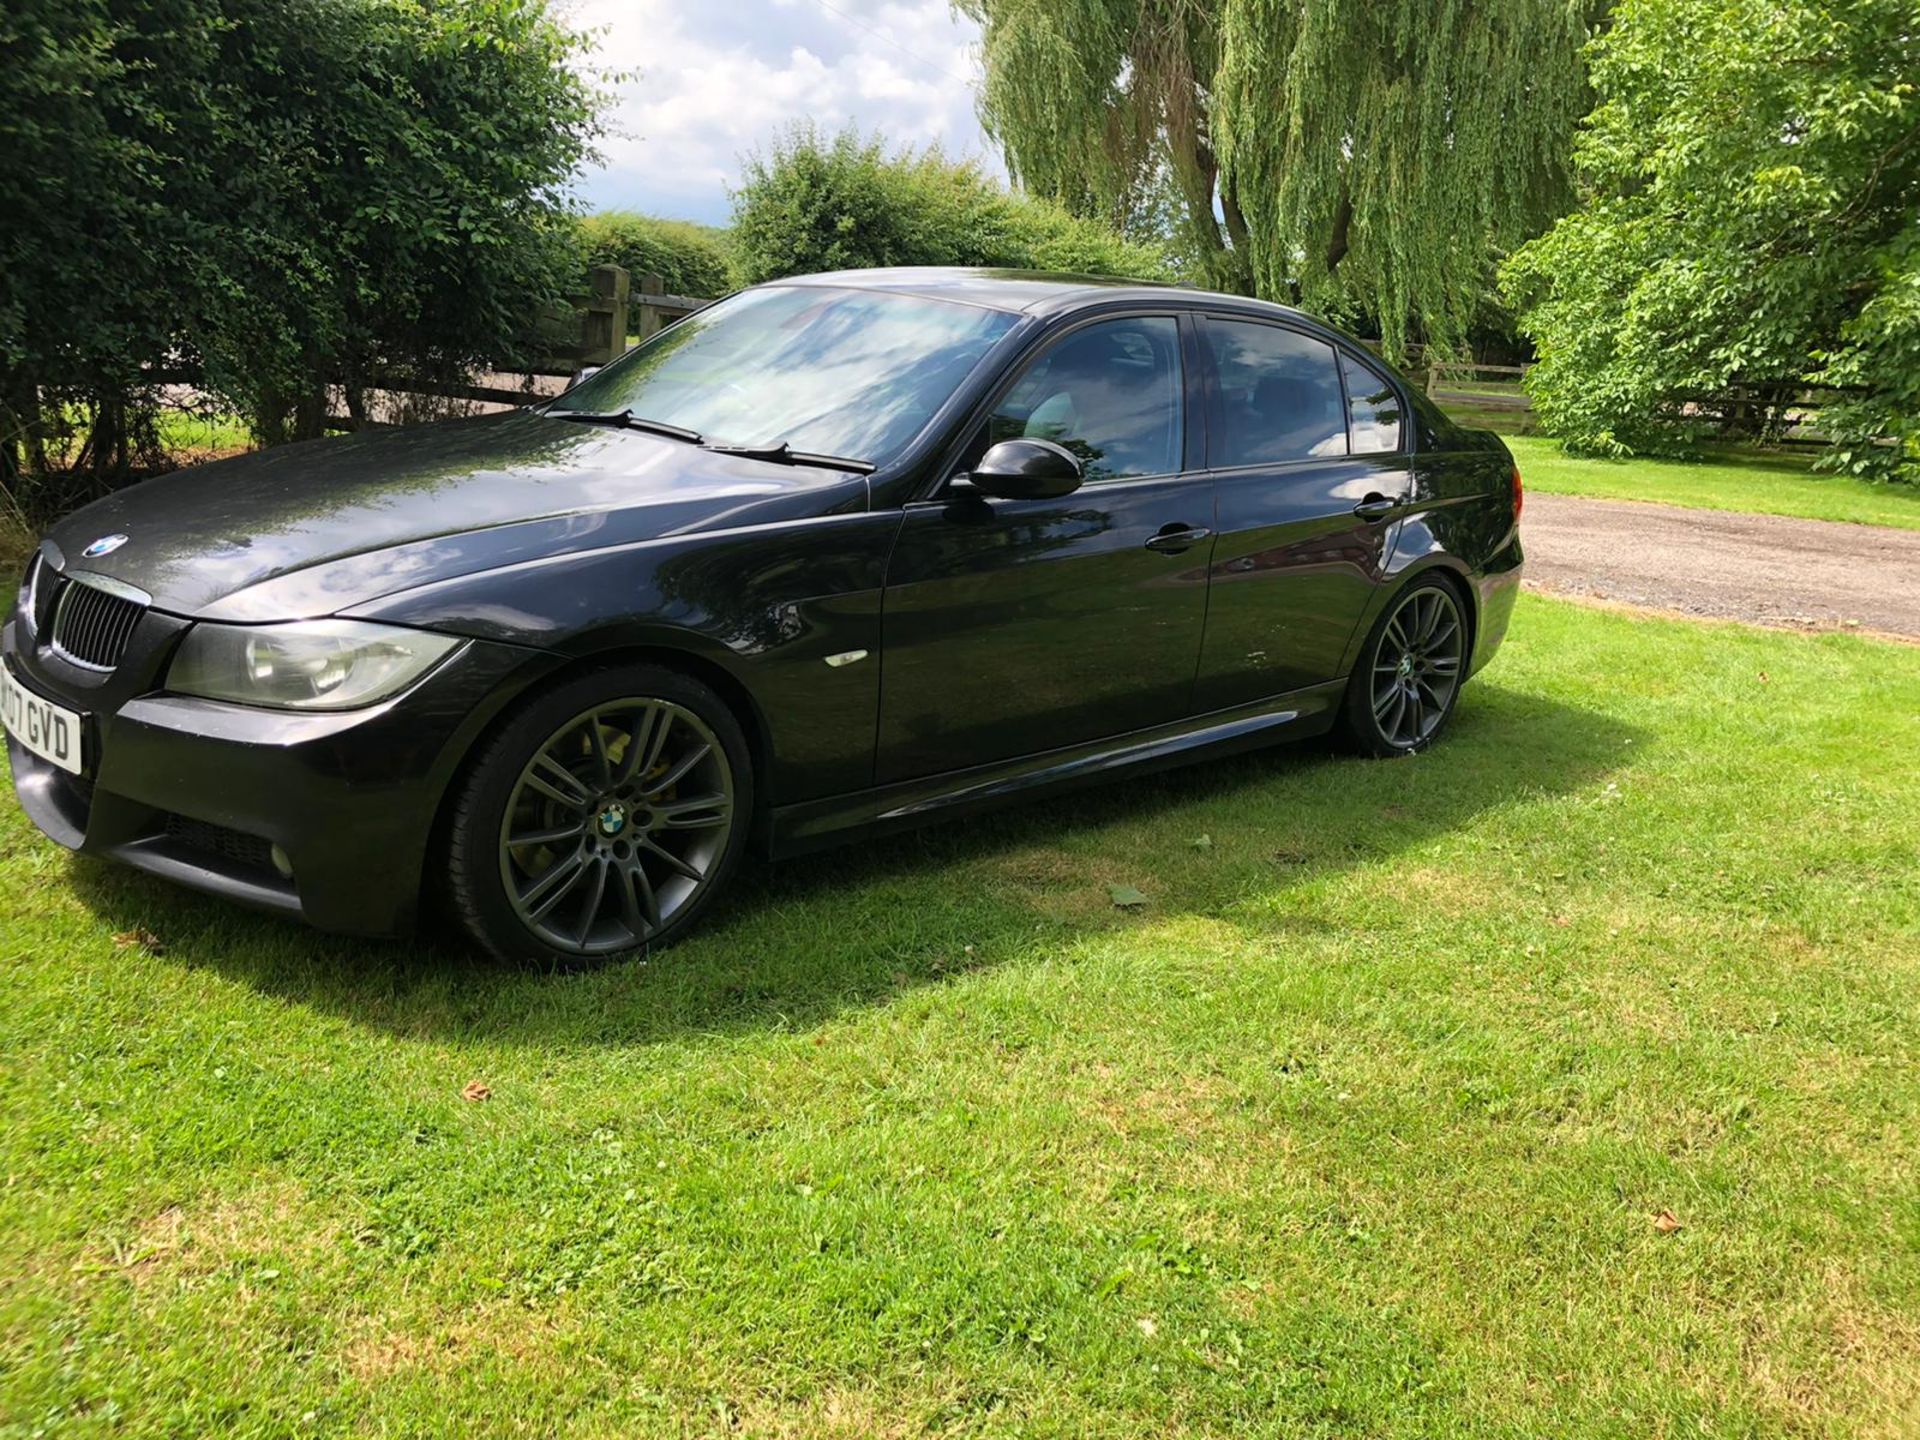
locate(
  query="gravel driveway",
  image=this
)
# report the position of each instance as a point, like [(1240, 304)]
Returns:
[(1766, 569)]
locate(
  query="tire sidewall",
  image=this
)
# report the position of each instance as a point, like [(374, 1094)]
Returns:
[(476, 892)]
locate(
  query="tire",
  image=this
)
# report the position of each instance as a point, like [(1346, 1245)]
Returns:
[(601, 820), (1407, 680)]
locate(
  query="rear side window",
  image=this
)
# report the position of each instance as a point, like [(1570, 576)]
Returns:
[(1280, 395), (1373, 409)]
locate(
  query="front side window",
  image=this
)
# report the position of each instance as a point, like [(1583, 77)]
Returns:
[(1373, 409), (837, 372), (1110, 392), (1280, 395)]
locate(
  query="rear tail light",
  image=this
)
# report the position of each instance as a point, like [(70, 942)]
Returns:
[(1519, 494)]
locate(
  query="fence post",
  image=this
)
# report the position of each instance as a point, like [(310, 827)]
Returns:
[(651, 321), (603, 323)]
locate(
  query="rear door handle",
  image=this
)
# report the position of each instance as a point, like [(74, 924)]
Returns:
[(1174, 539), (1375, 507)]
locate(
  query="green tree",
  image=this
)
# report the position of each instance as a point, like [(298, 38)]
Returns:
[(1355, 156), (814, 202), (264, 196), (1751, 216)]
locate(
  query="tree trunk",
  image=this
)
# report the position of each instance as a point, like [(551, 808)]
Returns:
[(103, 457), (310, 412), (1341, 240), (23, 439), (1195, 170), (1236, 221), (356, 398)]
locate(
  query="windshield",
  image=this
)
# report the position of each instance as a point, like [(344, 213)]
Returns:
[(835, 372)]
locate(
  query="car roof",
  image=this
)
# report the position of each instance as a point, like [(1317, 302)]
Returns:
[(1033, 291)]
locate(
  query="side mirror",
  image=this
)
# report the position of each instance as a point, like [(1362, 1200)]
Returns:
[(1027, 470)]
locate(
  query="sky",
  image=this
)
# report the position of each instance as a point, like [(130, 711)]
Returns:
[(718, 78)]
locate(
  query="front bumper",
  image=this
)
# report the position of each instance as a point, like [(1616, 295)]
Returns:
[(200, 791)]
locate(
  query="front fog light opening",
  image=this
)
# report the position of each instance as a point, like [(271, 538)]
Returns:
[(282, 862)]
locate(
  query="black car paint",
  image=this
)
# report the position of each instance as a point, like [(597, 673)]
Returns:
[(997, 661)]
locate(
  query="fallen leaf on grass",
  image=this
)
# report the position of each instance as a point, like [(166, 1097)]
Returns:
[(1126, 897), (1201, 842), (1666, 1222), (1147, 1327), (139, 937), (477, 1090)]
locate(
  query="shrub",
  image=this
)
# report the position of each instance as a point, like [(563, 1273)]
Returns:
[(844, 202), (1751, 184), (1049, 238), (263, 196), (689, 259)]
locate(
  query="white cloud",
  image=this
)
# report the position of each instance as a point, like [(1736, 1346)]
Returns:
[(721, 79)]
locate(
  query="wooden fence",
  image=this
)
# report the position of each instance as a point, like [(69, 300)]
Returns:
[(1777, 413), (617, 309), (654, 310), (1486, 387), (593, 330)]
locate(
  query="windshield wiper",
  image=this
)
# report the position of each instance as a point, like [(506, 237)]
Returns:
[(627, 420), (783, 454), (779, 454)]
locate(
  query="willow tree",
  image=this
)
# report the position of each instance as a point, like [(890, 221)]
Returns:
[(1103, 106), (1366, 158)]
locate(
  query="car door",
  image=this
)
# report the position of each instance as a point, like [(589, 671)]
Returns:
[(1014, 627), (1305, 445)]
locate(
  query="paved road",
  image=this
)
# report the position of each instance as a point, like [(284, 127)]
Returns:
[(1767, 569)]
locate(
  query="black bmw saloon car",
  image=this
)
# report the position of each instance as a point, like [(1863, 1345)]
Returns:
[(837, 553)]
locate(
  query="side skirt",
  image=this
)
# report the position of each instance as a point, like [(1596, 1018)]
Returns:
[(812, 824)]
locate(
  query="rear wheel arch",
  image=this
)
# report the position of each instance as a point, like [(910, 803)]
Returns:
[(1430, 665), (1444, 567), (1456, 578)]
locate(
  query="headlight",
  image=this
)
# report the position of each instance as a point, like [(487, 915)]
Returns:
[(309, 665), (29, 583)]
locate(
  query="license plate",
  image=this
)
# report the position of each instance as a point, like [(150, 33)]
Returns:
[(48, 730)]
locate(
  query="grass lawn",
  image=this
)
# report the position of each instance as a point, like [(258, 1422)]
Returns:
[(1764, 485), (1359, 1127), (191, 437)]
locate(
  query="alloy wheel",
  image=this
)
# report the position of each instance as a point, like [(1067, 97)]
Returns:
[(616, 825), (1416, 668)]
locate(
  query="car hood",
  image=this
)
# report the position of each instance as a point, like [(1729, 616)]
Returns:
[(308, 529)]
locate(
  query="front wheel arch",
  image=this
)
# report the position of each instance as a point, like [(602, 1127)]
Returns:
[(465, 845), (715, 676)]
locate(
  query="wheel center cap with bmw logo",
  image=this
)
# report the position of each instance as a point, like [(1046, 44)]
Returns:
[(613, 819), (105, 545)]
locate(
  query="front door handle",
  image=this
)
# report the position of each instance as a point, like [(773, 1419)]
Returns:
[(1375, 507), (1175, 538)]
